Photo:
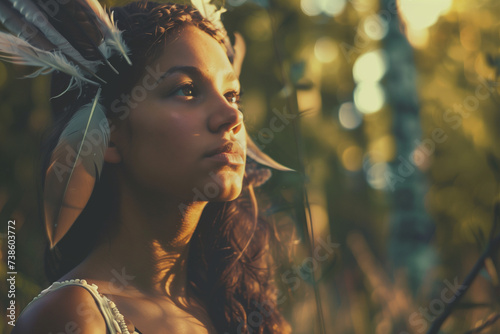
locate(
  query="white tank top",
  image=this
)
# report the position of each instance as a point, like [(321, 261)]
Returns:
[(114, 320)]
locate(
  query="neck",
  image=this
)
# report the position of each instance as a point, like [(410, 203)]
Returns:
[(148, 252)]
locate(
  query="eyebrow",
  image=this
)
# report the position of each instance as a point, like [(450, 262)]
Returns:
[(193, 71)]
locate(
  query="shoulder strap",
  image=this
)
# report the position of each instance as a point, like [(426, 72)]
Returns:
[(113, 318)]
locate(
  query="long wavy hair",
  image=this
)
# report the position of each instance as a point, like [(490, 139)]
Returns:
[(230, 265)]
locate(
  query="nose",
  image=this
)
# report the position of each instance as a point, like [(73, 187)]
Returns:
[(225, 116)]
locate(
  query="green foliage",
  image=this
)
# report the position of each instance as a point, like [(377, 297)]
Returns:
[(287, 69)]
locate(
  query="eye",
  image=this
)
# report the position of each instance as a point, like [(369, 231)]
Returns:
[(233, 97), (185, 90)]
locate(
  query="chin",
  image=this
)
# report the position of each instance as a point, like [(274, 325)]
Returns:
[(231, 197), (223, 189), (229, 194)]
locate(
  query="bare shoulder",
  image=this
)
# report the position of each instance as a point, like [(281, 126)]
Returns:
[(69, 309)]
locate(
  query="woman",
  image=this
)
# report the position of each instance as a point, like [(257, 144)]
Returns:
[(170, 240)]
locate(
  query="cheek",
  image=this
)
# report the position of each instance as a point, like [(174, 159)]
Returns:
[(165, 144), (172, 131)]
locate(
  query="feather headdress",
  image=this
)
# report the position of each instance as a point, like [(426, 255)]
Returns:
[(73, 37), (77, 38)]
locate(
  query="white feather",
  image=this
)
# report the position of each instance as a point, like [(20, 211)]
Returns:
[(115, 40), (88, 119), (210, 11), (112, 35), (38, 18), (18, 51)]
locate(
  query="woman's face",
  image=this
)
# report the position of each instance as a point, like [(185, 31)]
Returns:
[(168, 142)]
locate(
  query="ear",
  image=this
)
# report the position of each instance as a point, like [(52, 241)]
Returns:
[(112, 155)]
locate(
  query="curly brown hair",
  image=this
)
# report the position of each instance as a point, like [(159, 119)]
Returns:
[(230, 267)]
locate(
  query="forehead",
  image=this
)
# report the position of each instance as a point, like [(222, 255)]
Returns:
[(194, 47)]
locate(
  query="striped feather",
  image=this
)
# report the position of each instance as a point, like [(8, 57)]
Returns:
[(16, 24), (36, 17)]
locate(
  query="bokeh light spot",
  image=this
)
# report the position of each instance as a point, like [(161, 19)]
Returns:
[(328, 7), (349, 117), (423, 13), (352, 158), (369, 97), (333, 7), (375, 27), (370, 66), (376, 175), (310, 7), (325, 49)]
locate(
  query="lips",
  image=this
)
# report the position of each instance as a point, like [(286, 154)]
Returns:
[(229, 153)]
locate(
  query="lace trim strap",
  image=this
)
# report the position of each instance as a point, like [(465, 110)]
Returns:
[(114, 319)]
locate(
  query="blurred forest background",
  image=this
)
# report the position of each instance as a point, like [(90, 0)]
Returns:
[(399, 112)]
